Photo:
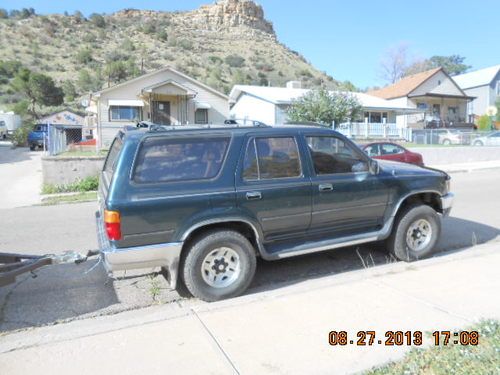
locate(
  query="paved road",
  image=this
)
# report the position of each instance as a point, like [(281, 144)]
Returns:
[(65, 292), (20, 176)]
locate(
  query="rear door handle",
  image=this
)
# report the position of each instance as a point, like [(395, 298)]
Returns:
[(253, 195), (325, 187)]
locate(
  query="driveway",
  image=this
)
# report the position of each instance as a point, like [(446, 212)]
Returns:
[(20, 176)]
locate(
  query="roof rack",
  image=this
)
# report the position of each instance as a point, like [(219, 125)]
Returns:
[(233, 123)]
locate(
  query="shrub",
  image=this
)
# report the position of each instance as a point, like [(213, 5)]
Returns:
[(84, 56), (149, 27), (185, 44), (162, 35), (235, 61), (20, 135), (98, 20), (484, 123)]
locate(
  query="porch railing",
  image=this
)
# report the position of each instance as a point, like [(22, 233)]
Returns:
[(374, 130)]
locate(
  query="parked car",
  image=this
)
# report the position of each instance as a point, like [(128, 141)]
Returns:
[(392, 151), (3, 130), (492, 139), (205, 202), (38, 136), (439, 136)]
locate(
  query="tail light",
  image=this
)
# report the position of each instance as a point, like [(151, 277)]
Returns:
[(112, 224)]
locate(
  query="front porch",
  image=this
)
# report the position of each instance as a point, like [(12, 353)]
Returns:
[(440, 110), (170, 103)]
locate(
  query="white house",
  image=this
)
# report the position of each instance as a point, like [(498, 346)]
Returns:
[(484, 85), (165, 96), (269, 104), (433, 92)]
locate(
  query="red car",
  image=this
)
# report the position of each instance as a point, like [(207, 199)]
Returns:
[(392, 151)]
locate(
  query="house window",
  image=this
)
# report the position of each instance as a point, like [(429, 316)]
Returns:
[(375, 117), (201, 116), (498, 87), (124, 113)]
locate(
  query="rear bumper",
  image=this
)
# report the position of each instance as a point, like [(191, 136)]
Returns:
[(164, 255), (447, 203)]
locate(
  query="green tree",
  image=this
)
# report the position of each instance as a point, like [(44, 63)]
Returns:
[(484, 123), (348, 86), (38, 89), (88, 82), (498, 109), (453, 65), (79, 18), (98, 20), (4, 13), (69, 90), (324, 107)]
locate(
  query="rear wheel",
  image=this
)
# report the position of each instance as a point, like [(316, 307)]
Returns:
[(219, 264), (478, 143), (415, 233), (446, 142), (32, 147)]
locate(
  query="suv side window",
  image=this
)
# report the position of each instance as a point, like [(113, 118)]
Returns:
[(270, 158), (331, 155), (166, 159)]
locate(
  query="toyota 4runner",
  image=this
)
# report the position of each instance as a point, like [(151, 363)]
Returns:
[(204, 202)]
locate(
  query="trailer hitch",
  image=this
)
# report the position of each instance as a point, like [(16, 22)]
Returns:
[(13, 265)]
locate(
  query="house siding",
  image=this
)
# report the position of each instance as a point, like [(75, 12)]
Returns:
[(432, 85), (253, 108), (131, 90)]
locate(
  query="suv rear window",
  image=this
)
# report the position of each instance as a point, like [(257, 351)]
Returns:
[(164, 159)]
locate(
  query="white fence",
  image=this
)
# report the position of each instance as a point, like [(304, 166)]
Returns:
[(374, 130)]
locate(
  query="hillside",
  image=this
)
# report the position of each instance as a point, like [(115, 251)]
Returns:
[(220, 44)]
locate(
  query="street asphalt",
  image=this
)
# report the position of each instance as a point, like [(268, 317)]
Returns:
[(67, 292)]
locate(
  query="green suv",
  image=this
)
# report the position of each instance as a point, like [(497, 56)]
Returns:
[(204, 202)]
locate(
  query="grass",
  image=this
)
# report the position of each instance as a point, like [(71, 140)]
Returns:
[(86, 184), (452, 359), (74, 198)]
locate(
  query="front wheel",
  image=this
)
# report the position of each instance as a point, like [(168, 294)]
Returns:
[(219, 264), (32, 147), (478, 143), (446, 142), (415, 233)]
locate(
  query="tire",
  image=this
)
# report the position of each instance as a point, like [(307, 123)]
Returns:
[(446, 142), (418, 219), (206, 266), (478, 143), (32, 147)]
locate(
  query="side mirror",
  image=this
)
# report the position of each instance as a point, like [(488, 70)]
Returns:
[(373, 167)]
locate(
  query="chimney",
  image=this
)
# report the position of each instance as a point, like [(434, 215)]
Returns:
[(293, 85)]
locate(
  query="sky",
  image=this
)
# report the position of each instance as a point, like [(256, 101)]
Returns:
[(348, 39)]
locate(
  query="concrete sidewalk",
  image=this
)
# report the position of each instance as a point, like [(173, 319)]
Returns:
[(278, 331)]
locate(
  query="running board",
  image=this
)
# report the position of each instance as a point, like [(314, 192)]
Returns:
[(322, 245)]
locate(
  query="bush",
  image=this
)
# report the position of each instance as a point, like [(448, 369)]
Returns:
[(185, 44), (20, 135), (484, 123), (86, 184), (162, 35), (84, 56), (98, 20), (235, 61)]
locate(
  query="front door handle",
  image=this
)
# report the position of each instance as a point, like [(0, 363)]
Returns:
[(325, 187), (253, 195)]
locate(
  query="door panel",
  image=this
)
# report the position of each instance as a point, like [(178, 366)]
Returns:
[(272, 188), (346, 198)]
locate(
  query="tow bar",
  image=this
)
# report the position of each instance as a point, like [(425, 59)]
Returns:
[(13, 265)]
